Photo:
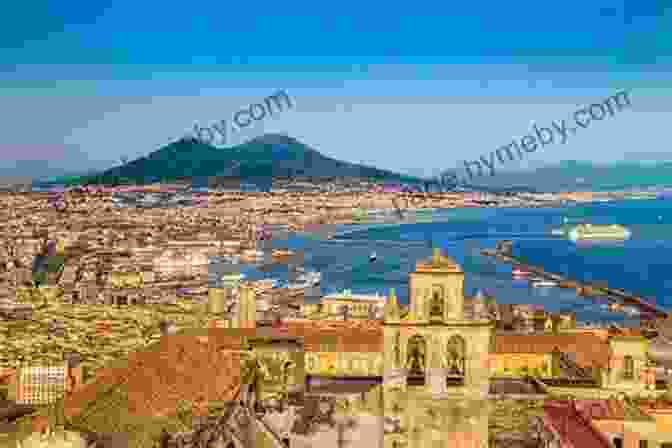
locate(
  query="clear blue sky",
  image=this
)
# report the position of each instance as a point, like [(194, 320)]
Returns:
[(410, 86)]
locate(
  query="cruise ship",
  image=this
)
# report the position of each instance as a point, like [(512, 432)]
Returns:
[(599, 232)]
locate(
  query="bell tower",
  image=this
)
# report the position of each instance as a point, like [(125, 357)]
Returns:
[(436, 361), (436, 290)]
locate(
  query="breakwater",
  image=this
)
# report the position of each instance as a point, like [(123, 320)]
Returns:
[(617, 296)]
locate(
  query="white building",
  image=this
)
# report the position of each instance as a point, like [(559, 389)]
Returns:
[(358, 305)]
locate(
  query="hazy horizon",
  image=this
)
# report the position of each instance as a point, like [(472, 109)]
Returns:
[(401, 90)]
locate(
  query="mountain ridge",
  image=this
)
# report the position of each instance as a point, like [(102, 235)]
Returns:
[(264, 157)]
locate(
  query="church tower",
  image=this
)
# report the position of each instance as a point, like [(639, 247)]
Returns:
[(436, 290), (435, 359)]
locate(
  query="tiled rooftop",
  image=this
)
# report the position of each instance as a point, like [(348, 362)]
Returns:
[(574, 430), (589, 350), (177, 367)]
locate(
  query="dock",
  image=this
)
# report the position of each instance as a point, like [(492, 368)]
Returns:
[(612, 294)]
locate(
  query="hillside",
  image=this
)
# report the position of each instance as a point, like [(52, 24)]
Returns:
[(578, 175), (270, 155)]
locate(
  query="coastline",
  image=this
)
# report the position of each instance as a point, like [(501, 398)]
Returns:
[(634, 288)]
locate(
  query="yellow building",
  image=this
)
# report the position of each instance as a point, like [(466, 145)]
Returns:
[(358, 305), (126, 280), (435, 360), (627, 364), (247, 309)]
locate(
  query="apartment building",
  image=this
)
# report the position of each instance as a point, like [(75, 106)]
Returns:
[(357, 305), (44, 384)]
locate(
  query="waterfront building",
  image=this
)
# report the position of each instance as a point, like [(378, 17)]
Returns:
[(357, 305)]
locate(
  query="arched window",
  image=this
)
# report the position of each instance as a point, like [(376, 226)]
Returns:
[(628, 367), (436, 308), (415, 360), (456, 350)]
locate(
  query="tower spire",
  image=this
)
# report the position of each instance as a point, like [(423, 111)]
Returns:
[(392, 306)]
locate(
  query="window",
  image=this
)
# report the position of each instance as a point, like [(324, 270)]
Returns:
[(454, 357), (628, 368), (437, 301), (643, 444)]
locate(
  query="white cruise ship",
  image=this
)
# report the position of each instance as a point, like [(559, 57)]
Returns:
[(599, 232)]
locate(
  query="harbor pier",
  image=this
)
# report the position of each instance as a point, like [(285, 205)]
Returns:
[(618, 296)]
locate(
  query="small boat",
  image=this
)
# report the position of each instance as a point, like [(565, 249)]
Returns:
[(520, 272), (233, 277), (631, 311), (313, 278), (543, 284), (298, 285), (281, 253), (373, 257), (615, 307), (233, 259), (252, 254)]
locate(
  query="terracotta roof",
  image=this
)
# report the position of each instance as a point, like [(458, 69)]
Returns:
[(195, 368), (655, 405), (574, 430), (625, 331), (349, 336), (611, 409), (589, 349)]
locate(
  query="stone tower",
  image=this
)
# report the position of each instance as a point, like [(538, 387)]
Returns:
[(436, 290), (435, 359), (247, 308)]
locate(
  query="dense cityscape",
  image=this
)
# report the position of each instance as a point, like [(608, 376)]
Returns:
[(114, 334)]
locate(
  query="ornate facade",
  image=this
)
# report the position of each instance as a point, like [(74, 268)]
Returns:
[(436, 361)]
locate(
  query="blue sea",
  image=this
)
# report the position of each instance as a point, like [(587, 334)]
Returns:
[(640, 265)]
